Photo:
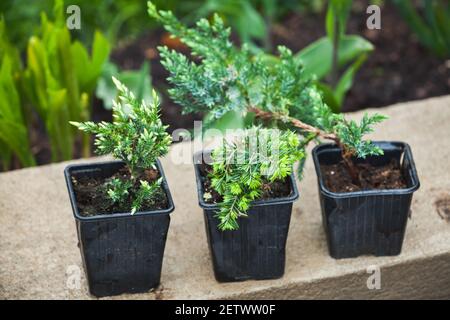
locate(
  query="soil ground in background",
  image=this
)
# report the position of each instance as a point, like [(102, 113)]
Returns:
[(337, 179), (399, 69)]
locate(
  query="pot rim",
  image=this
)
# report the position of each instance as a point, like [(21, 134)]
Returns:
[(68, 173), (274, 201), (384, 145)]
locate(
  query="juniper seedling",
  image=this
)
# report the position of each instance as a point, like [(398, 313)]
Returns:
[(247, 165), (137, 137), (227, 78)]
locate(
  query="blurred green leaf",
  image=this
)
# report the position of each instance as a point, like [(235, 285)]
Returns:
[(13, 128), (89, 69), (328, 96), (61, 136), (433, 30), (59, 80), (334, 98), (346, 81), (339, 9), (139, 81), (317, 57), (230, 120), (68, 75), (326, 55), (7, 49)]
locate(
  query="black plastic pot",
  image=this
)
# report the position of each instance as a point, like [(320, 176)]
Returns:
[(122, 253), (366, 222), (257, 250)]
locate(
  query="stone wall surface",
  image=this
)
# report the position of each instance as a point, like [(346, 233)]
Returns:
[(38, 243)]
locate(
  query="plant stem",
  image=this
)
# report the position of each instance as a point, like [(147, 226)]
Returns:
[(352, 169), (346, 154), (334, 62), (267, 115)]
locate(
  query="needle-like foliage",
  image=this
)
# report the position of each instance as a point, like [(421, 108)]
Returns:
[(351, 134), (137, 137), (224, 78), (245, 166), (227, 78)]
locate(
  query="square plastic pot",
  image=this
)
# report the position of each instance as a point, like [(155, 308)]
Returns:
[(257, 250), (371, 222), (122, 253)]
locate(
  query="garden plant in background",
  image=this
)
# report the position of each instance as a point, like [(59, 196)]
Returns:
[(123, 204), (59, 80), (326, 56), (138, 81), (124, 20), (432, 26), (119, 20), (14, 138)]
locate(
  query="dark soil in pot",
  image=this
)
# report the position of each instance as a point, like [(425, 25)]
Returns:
[(385, 177), (121, 252), (370, 218), (92, 193)]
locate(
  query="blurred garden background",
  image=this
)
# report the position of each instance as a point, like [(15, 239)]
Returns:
[(50, 74)]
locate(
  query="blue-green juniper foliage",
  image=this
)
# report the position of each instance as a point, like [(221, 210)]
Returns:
[(226, 78)]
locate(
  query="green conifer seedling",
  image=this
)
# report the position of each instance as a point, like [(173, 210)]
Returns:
[(137, 137), (249, 164)]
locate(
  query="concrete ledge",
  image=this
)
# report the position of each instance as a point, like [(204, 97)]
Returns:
[(38, 239)]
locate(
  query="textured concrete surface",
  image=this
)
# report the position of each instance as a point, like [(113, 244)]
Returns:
[(38, 251)]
